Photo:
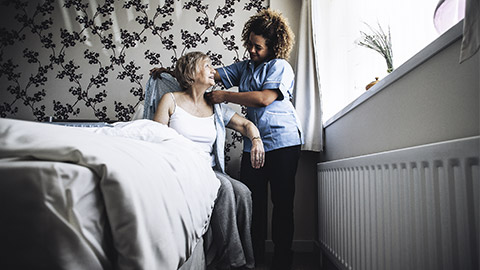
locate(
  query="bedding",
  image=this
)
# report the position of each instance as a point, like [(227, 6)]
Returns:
[(139, 183), (49, 212)]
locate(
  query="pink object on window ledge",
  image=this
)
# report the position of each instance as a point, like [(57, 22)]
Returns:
[(447, 14)]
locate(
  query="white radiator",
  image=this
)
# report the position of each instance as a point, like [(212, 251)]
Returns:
[(414, 208)]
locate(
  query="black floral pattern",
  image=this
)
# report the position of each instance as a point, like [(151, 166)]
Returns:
[(48, 68)]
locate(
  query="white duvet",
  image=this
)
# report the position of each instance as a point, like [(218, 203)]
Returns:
[(158, 190)]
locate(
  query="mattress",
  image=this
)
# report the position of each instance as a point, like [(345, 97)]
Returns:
[(50, 211)]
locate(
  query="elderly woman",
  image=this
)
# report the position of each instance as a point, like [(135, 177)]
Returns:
[(192, 116)]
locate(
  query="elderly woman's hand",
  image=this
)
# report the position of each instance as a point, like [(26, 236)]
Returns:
[(250, 131), (257, 153)]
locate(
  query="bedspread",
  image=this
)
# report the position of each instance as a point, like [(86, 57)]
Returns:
[(158, 190)]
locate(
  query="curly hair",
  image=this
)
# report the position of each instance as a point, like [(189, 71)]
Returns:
[(187, 67), (274, 28)]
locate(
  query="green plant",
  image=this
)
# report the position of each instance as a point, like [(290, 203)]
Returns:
[(379, 41)]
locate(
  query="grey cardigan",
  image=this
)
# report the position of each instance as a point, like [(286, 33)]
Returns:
[(154, 91)]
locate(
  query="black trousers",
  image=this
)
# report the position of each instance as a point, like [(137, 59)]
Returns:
[(279, 170)]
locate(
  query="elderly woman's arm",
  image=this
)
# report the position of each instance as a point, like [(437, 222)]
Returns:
[(164, 110), (248, 129)]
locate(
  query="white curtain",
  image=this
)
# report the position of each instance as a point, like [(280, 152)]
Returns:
[(307, 96)]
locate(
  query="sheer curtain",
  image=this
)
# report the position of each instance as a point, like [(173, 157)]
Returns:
[(307, 97)]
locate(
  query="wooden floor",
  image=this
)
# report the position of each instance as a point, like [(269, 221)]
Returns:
[(301, 261)]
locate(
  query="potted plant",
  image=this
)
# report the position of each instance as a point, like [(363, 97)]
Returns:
[(379, 41)]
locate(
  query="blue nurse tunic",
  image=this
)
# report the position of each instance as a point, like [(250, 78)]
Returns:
[(278, 122)]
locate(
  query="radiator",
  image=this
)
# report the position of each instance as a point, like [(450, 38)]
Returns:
[(413, 208)]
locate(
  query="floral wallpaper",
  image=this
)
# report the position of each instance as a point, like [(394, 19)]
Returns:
[(90, 59)]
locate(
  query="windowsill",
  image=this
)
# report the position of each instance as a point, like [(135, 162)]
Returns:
[(450, 36)]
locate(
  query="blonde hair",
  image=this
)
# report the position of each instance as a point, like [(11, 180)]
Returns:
[(274, 28), (187, 67)]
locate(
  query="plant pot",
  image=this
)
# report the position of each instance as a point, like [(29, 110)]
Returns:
[(371, 84)]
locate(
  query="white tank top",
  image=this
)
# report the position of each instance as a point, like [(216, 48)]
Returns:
[(200, 130)]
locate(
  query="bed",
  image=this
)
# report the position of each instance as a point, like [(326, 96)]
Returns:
[(131, 195)]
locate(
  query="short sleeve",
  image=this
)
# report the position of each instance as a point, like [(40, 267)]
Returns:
[(227, 113), (280, 76), (231, 74)]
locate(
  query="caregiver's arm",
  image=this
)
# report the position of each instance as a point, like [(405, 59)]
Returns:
[(261, 98)]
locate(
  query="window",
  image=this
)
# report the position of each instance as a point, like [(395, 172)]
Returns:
[(345, 67)]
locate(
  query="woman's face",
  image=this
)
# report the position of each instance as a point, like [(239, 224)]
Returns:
[(257, 48), (205, 72)]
